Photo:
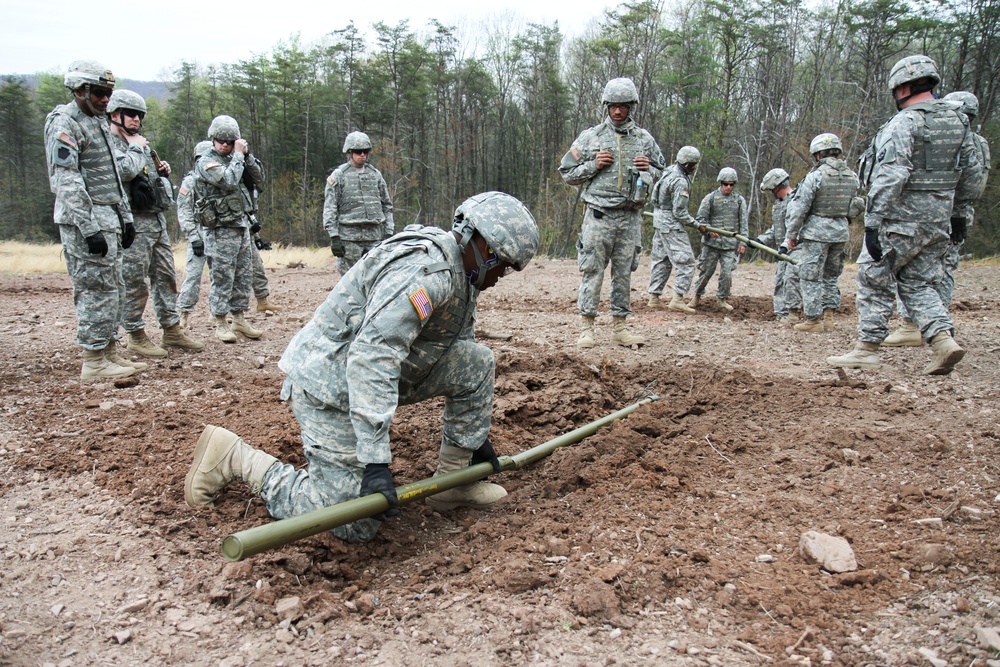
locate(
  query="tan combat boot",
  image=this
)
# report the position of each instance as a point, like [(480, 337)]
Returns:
[(694, 302), (97, 367), (811, 326), (620, 335), (478, 495), (586, 339), (220, 457), (184, 315), (908, 335), (829, 324), (725, 305), (677, 304), (864, 355), (655, 302), (173, 336), (139, 343), (947, 353), (263, 305), (111, 354), (240, 325), (222, 330)]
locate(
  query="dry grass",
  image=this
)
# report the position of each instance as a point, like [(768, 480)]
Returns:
[(22, 258)]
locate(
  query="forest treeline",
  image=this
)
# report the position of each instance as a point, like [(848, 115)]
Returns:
[(748, 83)]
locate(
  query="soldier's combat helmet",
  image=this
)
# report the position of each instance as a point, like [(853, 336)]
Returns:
[(620, 91), (201, 149), (126, 99), (727, 175), (774, 179), (919, 71), (224, 127), (357, 141), (84, 74), (970, 103), (507, 226), (825, 142), (688, 154)]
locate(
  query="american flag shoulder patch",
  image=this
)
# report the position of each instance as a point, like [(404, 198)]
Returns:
[(183, 191), (575, 152), (67, 139), (422, 303), (331, 179)]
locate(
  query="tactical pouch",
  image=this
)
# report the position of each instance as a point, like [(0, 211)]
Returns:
[(141, 195), (204, 213), (639, 186), (163, 192)]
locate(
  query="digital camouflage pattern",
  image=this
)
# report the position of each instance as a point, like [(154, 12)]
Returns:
[(192, 231), (358, 209), (727, 212), (671, 244), (613, 238), (787, 296)]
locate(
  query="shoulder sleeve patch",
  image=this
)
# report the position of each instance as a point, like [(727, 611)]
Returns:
[(422, 303), (575, 152), (684, 193), (332, 178), (183, 191), (67, 139), (212, 165)]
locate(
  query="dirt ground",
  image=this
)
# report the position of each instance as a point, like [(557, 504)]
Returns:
[(667, 538)]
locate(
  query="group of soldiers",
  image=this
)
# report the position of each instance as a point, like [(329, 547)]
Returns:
[(922, 172), (112, 192), (398, 327)]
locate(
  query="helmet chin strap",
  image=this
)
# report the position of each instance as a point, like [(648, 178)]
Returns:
[(478, 275), (86, 100), (120, 124)]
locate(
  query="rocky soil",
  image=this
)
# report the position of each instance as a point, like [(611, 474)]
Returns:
[(667, 538)]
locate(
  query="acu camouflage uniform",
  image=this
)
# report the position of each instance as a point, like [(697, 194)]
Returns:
[(148, 264), (223, 204), (727, 212), (787, 295), (357, 208), (397, 329), (615, 195), (671, 244), (817, 217), (921, 166), (90, 199), (194, 266)]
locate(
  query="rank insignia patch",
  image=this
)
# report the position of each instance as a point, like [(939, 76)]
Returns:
[(422, 303)]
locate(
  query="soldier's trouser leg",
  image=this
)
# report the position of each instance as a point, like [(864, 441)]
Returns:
[(163, 280), (626, 239), (812, 259), (780, 309), (97, 287), (659, 264), (832, 269), (240, 300), (677, 247), (593, 252), (793, 291), (353, 251), (191, 288), (229, 269), (707, 260), (728, 260), (917, 282), (259, 284), (875, 299), (135, 269), (946, 286), (333, 474)]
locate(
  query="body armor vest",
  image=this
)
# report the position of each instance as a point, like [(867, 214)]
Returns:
[(360, 202), (836, 189), (724, 212), (216, 208), (937, 145), (340, 318), (622, 183), (97, 163)]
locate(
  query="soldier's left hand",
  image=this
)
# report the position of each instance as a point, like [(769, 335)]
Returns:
[(164, 169), (740, 249), (128, 235), (241, 146), (378, 479), (485, 454), (641, 162)]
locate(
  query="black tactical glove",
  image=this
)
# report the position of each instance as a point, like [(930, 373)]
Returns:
[(255, 227), (337, 247), (783, 249), (486, 454), (128, 235), (378, 479), (873, 244), (97, 244), (261, 245), (959, 230), (198, 248)]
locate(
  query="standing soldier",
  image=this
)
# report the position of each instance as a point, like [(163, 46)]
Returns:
[(671, 218), (92, 213), (195, 263), (617, 163), (787, 297), (908, 334), (357, 210), (261, 288), (148, 265), (816, 224), (723, 210), (223, 205), (397, 329), (922, 172)]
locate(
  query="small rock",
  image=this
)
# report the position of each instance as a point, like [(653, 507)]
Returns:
[(851, 456), (935, 554), (284, 636), (259, 362), (233, 661), (133, 607), (56, 609), (615, 634), (834, 554), (290, 608), (123, 636), (961, 605), (765, 558), (21, 504), (932, 657), (989, 638)]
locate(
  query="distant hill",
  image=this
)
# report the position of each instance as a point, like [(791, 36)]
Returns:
[(148, 89)]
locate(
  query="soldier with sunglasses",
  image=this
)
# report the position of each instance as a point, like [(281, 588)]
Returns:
[(357, 209)]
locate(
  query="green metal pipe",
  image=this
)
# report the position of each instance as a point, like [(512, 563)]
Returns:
[(746, 241), (276, 534)]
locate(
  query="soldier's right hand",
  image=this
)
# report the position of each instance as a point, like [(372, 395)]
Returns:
[(198, 248), (604, 159), (241, 146), (873, 244), (337, 247), (378, 479), (137, 140), (97, 244)]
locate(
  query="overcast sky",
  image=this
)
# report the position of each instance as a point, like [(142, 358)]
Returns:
[(147, 40)]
